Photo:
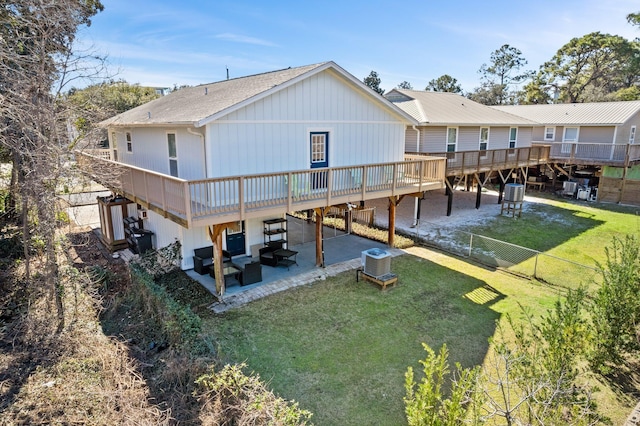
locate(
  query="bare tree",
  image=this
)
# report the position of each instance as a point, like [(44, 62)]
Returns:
[(37, 60)]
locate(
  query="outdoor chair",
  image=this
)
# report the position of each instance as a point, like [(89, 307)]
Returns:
[(252, 273)]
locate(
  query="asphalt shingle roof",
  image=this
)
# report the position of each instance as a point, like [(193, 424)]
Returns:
[(193, 104)]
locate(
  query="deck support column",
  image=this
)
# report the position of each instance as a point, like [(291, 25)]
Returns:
[(500, 190), (392, 220), (319, 238), (215, 233), (450, 181), (479, 193)]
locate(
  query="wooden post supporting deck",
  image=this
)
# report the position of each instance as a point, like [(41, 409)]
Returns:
[(320, 212), (450, 181), (215, 233), (392, 221), (480, 181)]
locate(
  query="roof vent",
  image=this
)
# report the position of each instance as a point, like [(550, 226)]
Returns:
[(149, 115)]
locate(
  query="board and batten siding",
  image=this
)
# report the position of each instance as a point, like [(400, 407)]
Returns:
[(272, 134), (150, 150)]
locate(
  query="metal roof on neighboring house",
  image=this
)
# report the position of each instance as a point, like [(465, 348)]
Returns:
[(201, 104), (580, 114), (444, 108)]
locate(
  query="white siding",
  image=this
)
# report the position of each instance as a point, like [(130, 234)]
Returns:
[(434, 139), (600, 134), (499, 137), (468, 138), (272, 134), (525, 135), (150, 151)]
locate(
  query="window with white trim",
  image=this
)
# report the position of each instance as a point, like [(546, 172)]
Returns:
[(513, 137), (114, 145), (484, 138), (173, 154), (632, 135), (569, 138), (549, 133), (129, 143), (452, 139)]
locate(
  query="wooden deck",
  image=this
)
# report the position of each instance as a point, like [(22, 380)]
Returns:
[(581, 153), (468, 162), (229, 199)]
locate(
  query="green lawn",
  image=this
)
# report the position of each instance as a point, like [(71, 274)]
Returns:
[(577, 231), (341, 348)]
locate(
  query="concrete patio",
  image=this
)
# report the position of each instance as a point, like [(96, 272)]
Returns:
[(341, 253)]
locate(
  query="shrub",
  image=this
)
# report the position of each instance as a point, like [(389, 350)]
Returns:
[(231, 397)]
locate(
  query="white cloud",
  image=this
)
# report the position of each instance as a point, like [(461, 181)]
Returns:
[(244, 39)]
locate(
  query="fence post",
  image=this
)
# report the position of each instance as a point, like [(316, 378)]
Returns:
[(470, 245), (535, 266)]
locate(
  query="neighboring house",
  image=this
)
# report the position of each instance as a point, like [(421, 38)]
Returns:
[(217, 160), (591, 139), (479, 142)]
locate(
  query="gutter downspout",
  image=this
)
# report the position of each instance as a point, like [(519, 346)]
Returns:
[(416, 208), (204, 149)]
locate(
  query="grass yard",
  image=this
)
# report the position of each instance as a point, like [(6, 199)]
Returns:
[(573, 230), (341, 348)]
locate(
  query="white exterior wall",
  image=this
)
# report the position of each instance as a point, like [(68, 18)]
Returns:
[(150, 150), (272, 134)]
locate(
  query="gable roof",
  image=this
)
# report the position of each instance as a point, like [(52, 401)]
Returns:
[(592, 113), (446, 108), (202, 104)]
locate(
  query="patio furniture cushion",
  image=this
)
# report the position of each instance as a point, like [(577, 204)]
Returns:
[(203, 259), (266, 254), (252, 273)]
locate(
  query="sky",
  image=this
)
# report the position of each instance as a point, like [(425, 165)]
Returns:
[(163, 43)]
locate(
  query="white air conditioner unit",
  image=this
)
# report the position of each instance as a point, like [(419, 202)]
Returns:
[(514, 192), (376, 262), (569, 188)]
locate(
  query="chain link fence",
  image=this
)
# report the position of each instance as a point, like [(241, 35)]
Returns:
[(510, 257)]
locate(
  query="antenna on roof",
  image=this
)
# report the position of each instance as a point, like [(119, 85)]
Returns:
[(227, 73)]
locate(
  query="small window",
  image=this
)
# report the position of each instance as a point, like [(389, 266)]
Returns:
[(484, 138), (632, 135), (173, 154), (129, 145), (452, 139), (549, 133), (513, 137), (114, 145)]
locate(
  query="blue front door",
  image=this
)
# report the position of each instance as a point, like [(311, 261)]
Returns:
[(319, 158)]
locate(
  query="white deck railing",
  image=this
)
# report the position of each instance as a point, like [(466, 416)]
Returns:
[(466, 162), (594, 152), (221, 200)]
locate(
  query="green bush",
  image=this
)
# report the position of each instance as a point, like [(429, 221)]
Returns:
[(245, 400), (180, 325)]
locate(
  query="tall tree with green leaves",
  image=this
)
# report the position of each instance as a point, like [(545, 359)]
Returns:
[(97, 102), (497, 77), (405, 85), (373, 81), (594, 67), (634, 19), (444, 83), (37, 59)]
